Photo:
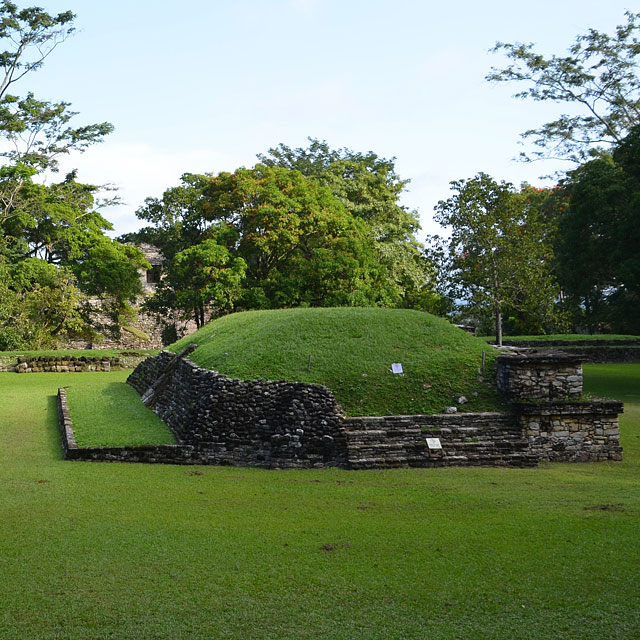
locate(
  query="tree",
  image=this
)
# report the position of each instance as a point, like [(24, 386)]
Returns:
[(301, 246), (496, 257), (39, 131), (370, 189), (39, 303), (205, 274), (599, 265), (598, 76)]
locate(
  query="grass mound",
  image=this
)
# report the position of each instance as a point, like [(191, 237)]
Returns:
[(351, 351)]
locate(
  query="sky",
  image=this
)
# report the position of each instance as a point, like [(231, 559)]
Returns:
[(205, 85)]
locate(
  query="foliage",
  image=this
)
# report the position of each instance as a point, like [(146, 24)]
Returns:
[(53, 244), (39, 303), (496, 257), (205, 274), (38, 131), (599, 265), (351, 353), (598, 76), (299, 243), (369, 187)]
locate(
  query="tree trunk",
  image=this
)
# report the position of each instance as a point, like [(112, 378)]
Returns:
[(499, 327)]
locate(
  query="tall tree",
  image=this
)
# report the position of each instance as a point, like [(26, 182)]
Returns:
[(370, 189), (599, 264), (301, 246), (598, 76), (496, 255)]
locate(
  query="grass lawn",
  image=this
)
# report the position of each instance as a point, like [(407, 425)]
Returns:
[(352, 350), (90, 551), (107, 412)]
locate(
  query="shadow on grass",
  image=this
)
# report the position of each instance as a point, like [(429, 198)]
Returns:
[(54, 441)]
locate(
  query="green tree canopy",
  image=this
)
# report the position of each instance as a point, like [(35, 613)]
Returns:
[(299, 243), (497, 255), (597, 79), (370, 189), (599, 265)]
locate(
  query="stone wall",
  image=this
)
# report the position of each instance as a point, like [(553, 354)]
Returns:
[(571, 431), (274, 424), (603, 355), (467, 439), (540, 375), (52, 364), (218, 420)]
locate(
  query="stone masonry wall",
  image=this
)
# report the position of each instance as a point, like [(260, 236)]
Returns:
[(274, 424), (571, 431), (540, 376), (467, 439), (218, 420), (39, 364)]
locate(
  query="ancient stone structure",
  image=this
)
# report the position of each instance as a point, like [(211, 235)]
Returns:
[(218, 420), (146, 331), (540, 376), (562, 431), (66, 363)]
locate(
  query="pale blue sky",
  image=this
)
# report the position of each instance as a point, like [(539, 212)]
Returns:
[(204, 86)]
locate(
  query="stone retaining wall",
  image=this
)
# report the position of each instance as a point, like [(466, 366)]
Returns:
[(67, 363), (52, 364), (467, 439), (603, 355), (218, 420), (540, 375), (274, 424), (571, 431)]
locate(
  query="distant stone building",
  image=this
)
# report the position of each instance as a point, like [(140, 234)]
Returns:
[(146, 331)]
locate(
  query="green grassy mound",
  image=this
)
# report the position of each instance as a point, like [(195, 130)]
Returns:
[(352, 350)]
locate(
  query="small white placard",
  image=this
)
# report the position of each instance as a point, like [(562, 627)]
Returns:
[(434, 443), (396, 367)]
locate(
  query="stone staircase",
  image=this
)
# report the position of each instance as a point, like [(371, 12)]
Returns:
[(373, 445)]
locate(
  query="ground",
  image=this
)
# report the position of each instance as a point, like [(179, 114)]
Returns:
[(100, 550)]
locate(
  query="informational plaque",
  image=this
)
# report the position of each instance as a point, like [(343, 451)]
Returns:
[(396, 367), (434, 443)]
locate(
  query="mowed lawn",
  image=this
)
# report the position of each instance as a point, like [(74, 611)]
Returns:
[(104, 550)]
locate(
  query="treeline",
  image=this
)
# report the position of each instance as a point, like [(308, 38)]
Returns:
[(54, 254), (304, 227), (317, 226), (553, 260)]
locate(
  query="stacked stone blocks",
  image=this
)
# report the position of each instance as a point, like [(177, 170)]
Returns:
[(219, 420)]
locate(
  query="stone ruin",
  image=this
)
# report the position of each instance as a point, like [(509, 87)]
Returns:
[(219, 420)]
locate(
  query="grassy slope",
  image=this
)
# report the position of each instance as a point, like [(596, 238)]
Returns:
[(352, 351), (106, 412), (92, 551)]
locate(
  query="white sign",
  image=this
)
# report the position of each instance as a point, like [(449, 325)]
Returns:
[(434, 443), (396, 367)]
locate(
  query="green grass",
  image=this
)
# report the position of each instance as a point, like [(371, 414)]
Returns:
[(566, 336), (106, 412), (90, 551), (351, 353)]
